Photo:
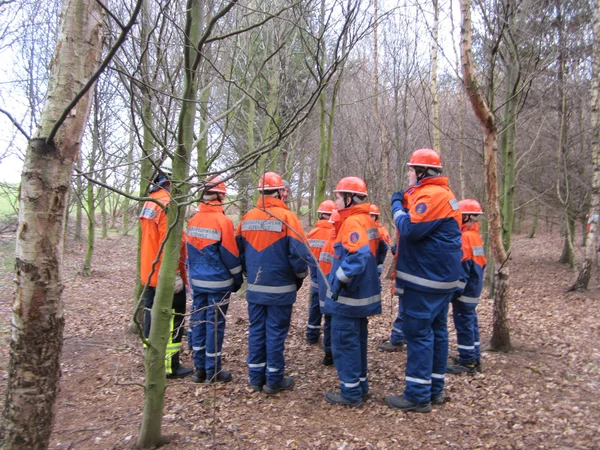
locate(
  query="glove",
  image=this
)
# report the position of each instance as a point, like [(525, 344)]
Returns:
[(336, 287), (393, 249), (178, 284), (379, 270), (299, 282), (398, 197)]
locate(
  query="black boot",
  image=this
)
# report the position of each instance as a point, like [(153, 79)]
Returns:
[(328, 359), (462, 368), (404, 404), (339, 399), (199, 375), (285, 384), (224, 376)]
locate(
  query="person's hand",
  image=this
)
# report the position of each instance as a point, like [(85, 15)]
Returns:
[(178, 284), (299, 282), (336, 287), (397, 197)]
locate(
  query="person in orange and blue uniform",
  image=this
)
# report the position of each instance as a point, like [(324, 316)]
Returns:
[(153, 222), (215, 272), (275, 257), (317, 237), (464, 303), (428, 270), (355, 290)]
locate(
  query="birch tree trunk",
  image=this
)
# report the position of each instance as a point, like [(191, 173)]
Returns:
[(434, 80), (37, 310), (501, 333)]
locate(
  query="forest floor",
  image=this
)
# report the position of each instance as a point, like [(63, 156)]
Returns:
[(543, 394)]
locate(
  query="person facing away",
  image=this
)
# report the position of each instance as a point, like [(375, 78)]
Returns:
[(428, 270), (317, 237), (275, 257), (215, 272), (153, 223), (355, 291), (465, 302)]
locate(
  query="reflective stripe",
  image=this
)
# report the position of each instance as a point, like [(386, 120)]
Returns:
[(204, 233), (272, 289), (461, 284), (425, 282), (212, 355), (235, 270), (363, 379), (316, 243), (399, 291), (315, 285), (148, 213), (352, 385), (418, 380), (342, 276), (372, 233), (438, 376), (301, 274), (257, 365), (466, 347), (262, 225), (358, 301), (326, 257), (478, 251), (399, 213), (477, 344), (197, 349), (212, 284), (321, 304), (273, 369), (314, 327), (380, 266), (454, 204), (397, 330), (465, 299)]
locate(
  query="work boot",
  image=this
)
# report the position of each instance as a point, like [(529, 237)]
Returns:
[(328, 359), (224, 376), (285, 384), (199, 375), (339, 399), (404, 404), (312, 341), (462, 368), (437, 399), (478, 365), (180, 372), (391, 347), (256, 387)]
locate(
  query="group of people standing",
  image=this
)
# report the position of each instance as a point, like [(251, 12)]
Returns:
[(438, 260)]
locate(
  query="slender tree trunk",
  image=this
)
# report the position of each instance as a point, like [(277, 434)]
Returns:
[(86, 270), (125, 200), (78, 206), (434, 80), (534, 223), (37, 310)]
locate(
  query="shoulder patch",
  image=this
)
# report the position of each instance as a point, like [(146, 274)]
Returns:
[(454, 204), (421, 208), (354, 237)]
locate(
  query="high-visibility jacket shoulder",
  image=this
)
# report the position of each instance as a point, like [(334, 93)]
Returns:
[(355, 262), (273, 252), (473, 263), (153, 221), (317, 237), (429, 251), (213, 256)]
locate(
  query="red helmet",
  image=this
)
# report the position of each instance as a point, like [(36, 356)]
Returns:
[(326, 207), (425, 157), (216, 185), (470, 206), (374, 209), (354, 185), (270, 181)]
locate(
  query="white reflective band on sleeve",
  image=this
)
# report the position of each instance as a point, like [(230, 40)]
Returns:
[(254, 366), (372, 233), (326, 257), (418, 380), (272, 289), (397, 330), (342, 276), (399, 291), (438, 376), (466, 347), (301, 274), (235, 270), (212, 284), (359, 301), (262, 225), (148, 213), (315, 285), (352, 385), (399, 213), (425, 282), (472, 300), (478, 251), (477, 344), (314, 327), (316, 243), (204, 233), (462, 284), (454, 204), (321, 304), (273, 369), (363, 379), (212, 355)]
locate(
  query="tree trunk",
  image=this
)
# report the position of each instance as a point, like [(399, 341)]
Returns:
[(434, 81), (534, 223), (37, 310), (501, 332), (78, 207)]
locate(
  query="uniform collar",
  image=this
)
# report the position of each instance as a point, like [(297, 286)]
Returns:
[(270, 202), (439, 181), (324, 224), (363, 208), (210, 206)]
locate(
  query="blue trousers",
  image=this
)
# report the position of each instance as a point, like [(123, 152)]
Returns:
[(326, 333), (397, 335), (467, 331), (269, 326), (313, 328), (426, 331), (349, 347), (208, 330)]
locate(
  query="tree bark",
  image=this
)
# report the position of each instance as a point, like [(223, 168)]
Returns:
[(37, 310)]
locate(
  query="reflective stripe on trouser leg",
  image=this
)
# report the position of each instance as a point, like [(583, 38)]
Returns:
[(397, 335), (464, 322), (347, 354), (313, 329), (277, 328), (440, 348), (217, 309), (198, 325), (257, 344), (326, 333)]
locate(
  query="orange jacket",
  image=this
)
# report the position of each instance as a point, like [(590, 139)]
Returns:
[(317, 237)]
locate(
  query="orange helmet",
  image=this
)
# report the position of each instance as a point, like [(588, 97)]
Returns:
[(353, 185), (326, 207), (470, 206), (270, 181), (335, 216), (374, 209), (425, 157), (215, 186)]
